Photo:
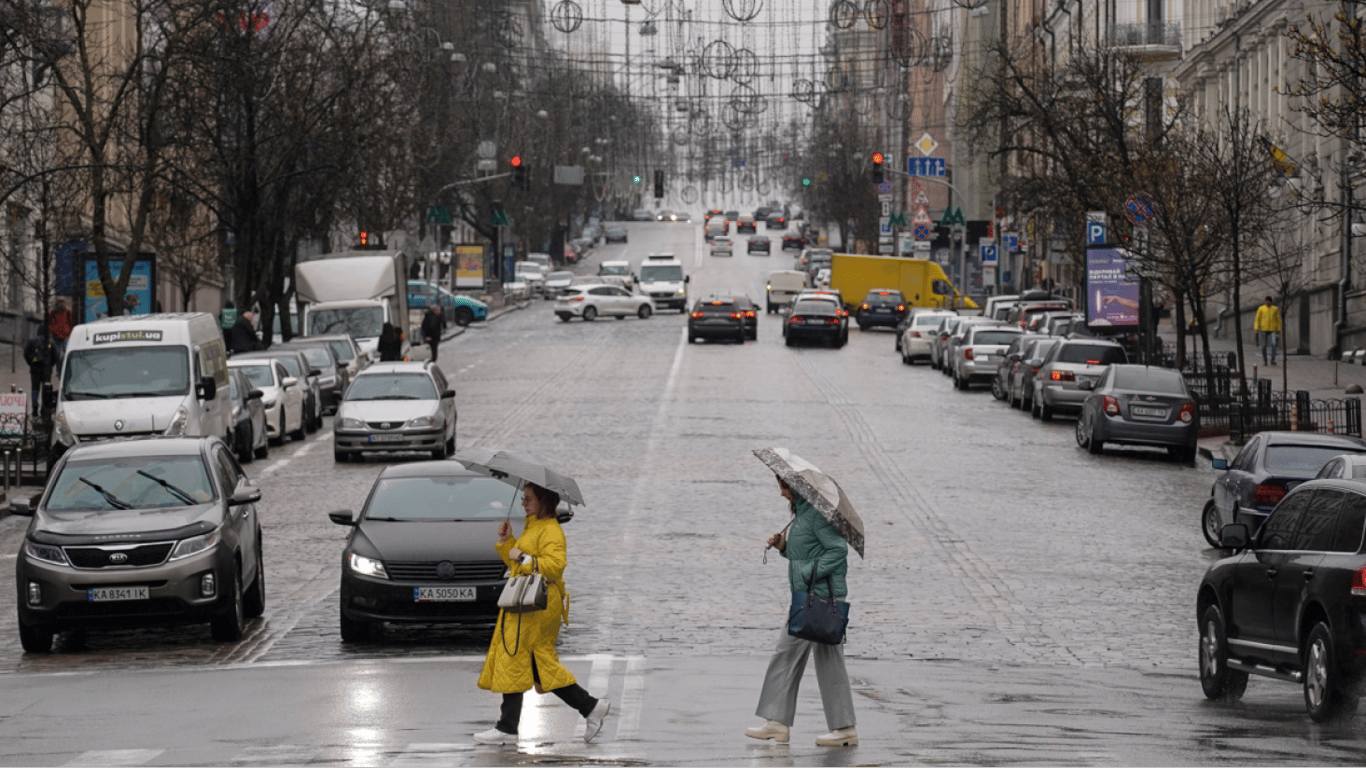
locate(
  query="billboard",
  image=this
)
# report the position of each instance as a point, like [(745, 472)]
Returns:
[(139, 300), (1112, 296), (469, 266)]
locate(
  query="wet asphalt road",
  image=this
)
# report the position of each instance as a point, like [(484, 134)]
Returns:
[(1021, 601)]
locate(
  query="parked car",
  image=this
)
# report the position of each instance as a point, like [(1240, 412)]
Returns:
[(640, 214), (815, 319), (1139, 405), (1023, 312), (309, 377), (557, 282), (281, 394), (1068, 364), (913, 342), (948, 347), (533, 274), (882, 307), (1348, 466), (249, 438), (332, 381), (418, 549), (983, 346), (455, 308), (758, 243), (1270, 465), (1287, 604), (345, 349), (1007, 363), (403, 406), (140, 531), (717, 317), (618, 269), (589, 301), (722, 246), (1020, 389), (615, 233)]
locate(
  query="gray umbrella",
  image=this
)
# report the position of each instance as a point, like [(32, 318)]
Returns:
[(819, 489), (518, 467)]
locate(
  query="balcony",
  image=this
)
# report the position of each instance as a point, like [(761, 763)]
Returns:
[(1155, 40)]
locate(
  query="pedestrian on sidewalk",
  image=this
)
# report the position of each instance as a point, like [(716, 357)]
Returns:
[(431, 327), (817, 559), (1267, 324), (390, 344), (38, 353), (244, 338), (59, 323), (522, 653)]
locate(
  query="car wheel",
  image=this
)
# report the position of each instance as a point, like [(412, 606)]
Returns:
[(244, 445), (997, 391), (589, 313), (788, 341), (1045, 413), (1210, 524), (463, 316), (254, 603), (565, 318), (1218, 681), (279, 438), (1093, 443), (340, 457), (1034, 410), (263, 451), (228, 627), (1083, 434), (35, 638), (450, 445), (1327, 693), (905, 359), (644, 312)]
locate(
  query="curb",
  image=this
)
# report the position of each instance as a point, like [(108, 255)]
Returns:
[(494, 315)]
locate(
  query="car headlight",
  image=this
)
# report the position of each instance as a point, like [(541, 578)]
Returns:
[(63, 430), (366, 566), (45, 552), (422, 421), (194, 545), (682, 291), (178, 422), (350, 423)]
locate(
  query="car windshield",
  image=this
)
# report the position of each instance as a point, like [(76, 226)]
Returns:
[(614, 269), (883, 298), (317, 357), (291, 364), (1150, 380), (342, 350), (1302, 459), (257, 375), (994, 337), (126, 372), (560, 276), (440, 498), (360, 322), (1090, 354), (124, 483), (392, 386), (814, 306), (661, 273), (929, 320)]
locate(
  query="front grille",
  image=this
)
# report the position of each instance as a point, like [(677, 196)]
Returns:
[(139, 556), (384, 424), (488, 570), (660, 295)]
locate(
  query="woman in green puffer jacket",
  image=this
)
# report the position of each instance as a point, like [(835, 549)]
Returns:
[(818, 556)]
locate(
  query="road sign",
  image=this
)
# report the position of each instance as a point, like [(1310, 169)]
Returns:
[(1140, 208), (926, 166), (886, 208), (923, 232), (922, 198), (884, 188), (898, 219), (500, 218), (926, 144), (1010, 241), (1095, 233), (922, 214), (885, 228), (951, 217), (988, 254), (887, 198)]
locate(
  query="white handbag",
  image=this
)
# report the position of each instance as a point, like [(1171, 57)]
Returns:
[(524, 594)]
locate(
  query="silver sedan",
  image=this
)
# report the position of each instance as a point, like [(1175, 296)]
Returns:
[(391, 407)]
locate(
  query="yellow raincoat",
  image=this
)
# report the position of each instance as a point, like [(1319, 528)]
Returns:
[(519, 637)]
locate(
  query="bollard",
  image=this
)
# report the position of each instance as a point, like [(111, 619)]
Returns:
[(6, 472), (1295, 418)]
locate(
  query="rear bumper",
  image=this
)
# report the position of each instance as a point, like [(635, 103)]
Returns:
[(1115, 429)]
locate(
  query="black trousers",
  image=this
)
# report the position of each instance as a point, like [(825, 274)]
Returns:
[(574, 695), (434, 343)]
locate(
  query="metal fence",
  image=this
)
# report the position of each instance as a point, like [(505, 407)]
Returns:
[(1245, 407)]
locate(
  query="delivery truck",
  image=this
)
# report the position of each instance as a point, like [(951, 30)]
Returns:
[(921, 281), (355, 292)]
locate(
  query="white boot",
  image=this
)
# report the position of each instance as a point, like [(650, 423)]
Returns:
[(771, 729), (840, 737)]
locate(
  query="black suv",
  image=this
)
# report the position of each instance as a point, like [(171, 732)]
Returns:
[(718, 317), (882, 306), (1291, 602)]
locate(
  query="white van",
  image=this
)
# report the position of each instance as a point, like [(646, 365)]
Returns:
[(662, 279), (783, 285), (164, 374)]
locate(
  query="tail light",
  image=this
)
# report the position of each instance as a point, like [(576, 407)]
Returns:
[(577, 298), (1110, 405), (1359, 582), (1062, 376), (865, 306), (697, 314), (735, 315), (1268, 493), (915, 334), (1187, 414), (1034, 369), (901, 307), (796, 320), (749, 313), (967, 353), (832, 321)]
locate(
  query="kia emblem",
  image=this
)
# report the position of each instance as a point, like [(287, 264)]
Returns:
[(118, 425), (118, 557)]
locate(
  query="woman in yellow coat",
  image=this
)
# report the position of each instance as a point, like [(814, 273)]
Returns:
[(522, 654)]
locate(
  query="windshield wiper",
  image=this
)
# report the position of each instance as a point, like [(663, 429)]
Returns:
[(91, 395), (183, 496), (113, 500), (396, 397)]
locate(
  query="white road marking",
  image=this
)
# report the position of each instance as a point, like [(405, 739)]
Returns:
[(103, 757), (632, 699), (430, 753), (599, 681), (278, 754)]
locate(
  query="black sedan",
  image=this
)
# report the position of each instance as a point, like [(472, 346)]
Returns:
[(421, 549), (759, 243), (1268, 467), (775, 221), (249, 440), (793, 240), (881, 307), (749, 313), (816, 320), (1139, 405), (719, 317), (1288, 603)]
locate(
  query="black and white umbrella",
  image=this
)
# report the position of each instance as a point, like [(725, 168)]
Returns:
[(518, 467), (819, 489)]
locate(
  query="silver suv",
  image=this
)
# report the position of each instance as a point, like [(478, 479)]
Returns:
[(1067, 364), (150, 530)]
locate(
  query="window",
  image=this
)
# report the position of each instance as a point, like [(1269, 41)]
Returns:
[(1093, 354), (1151, 380), (1351, 520), (257, 375), (1300, 459), (1319, 522), (1243, 461), (1278, 532), (994, 336), (602, 290)]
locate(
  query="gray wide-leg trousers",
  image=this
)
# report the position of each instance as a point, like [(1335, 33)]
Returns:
[(778, 700)]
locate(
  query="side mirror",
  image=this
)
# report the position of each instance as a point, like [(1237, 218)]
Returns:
[(1233, 536), (687, 278), (314, 372), (1013, 357), (564, 513), (448, 393), (1086, 385), (1221, 464), (245, 494), (289, 381), (25, 507), (342, 517), (208, 388), (255, 394)]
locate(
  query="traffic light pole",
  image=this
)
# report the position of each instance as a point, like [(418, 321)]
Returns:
[(962, 241)]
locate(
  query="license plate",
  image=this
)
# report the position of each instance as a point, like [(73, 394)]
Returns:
[(386, 438), (443, 594), (111, 594), (1139, 410), (983, 358)]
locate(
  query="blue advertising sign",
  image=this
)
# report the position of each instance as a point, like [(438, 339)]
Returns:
[(1111, 296), (137, 301)]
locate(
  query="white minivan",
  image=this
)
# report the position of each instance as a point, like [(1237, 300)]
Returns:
[(163, 374), (783, 285)]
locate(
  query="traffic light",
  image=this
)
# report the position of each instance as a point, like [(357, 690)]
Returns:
[(518, 173), (878, 175), (659, 183), (806, 182), (364, 238)]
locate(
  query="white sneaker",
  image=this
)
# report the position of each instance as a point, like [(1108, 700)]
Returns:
[(595, 718), (771, 729), (495, 736), (840, 737)]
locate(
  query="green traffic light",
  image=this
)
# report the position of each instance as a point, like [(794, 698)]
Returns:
[(806, 182), (635, 179)]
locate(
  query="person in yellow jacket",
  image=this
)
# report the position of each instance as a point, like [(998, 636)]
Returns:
[(522, 653), (1267, 324)]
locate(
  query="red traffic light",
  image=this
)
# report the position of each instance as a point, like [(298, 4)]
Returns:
[(878, 158), (516, 161)]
